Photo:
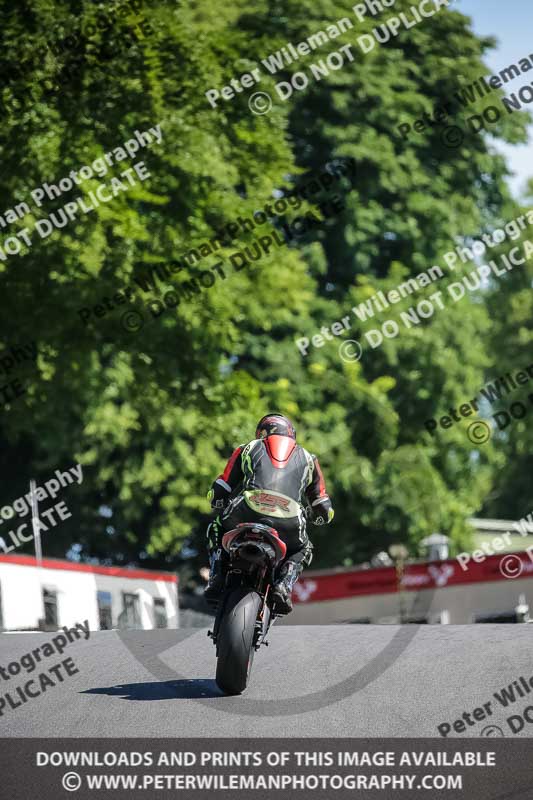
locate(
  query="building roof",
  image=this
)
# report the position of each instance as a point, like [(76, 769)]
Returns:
[(500, 525), (113, 572)]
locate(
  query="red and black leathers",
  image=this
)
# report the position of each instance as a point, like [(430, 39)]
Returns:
[(269, 480)]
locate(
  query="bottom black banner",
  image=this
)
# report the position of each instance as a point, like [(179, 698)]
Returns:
[(51, 769)]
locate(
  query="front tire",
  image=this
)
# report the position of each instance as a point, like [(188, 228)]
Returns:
[(235, 641)]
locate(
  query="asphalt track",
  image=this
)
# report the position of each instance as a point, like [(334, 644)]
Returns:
[(322, 681)]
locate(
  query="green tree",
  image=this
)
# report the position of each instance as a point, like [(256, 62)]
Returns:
[(153, 415)]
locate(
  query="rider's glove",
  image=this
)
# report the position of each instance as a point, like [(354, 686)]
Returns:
[(219, 504), (321, 515)]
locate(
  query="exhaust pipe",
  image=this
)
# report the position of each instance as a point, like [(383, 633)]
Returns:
[(252, 552)]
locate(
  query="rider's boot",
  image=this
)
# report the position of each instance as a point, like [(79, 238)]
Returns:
[(281, 594), (215, 583)]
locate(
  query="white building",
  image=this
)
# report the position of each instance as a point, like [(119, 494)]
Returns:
[(495, 584), (59, 592)]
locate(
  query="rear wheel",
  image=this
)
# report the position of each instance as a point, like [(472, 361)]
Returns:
[(235, 641)]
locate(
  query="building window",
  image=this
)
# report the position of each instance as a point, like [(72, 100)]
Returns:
[(160, 613), (130, 617), (50, 609), (104, 610)]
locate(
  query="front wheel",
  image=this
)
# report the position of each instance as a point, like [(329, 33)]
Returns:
[(235, 641)]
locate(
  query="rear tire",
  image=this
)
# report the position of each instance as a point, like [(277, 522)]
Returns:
[(235, 641)]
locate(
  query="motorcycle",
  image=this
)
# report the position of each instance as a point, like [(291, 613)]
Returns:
[(245, 611)]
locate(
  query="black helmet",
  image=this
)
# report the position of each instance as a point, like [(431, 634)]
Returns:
[(275, 424)]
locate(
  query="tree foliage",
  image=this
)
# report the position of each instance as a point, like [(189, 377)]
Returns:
[(153, 415)]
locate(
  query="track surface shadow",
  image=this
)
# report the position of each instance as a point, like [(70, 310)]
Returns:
[(190, 689)]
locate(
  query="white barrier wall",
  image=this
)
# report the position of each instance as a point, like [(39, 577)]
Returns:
[(76, 587)]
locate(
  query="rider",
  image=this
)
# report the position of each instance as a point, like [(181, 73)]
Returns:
[(267, 481)]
